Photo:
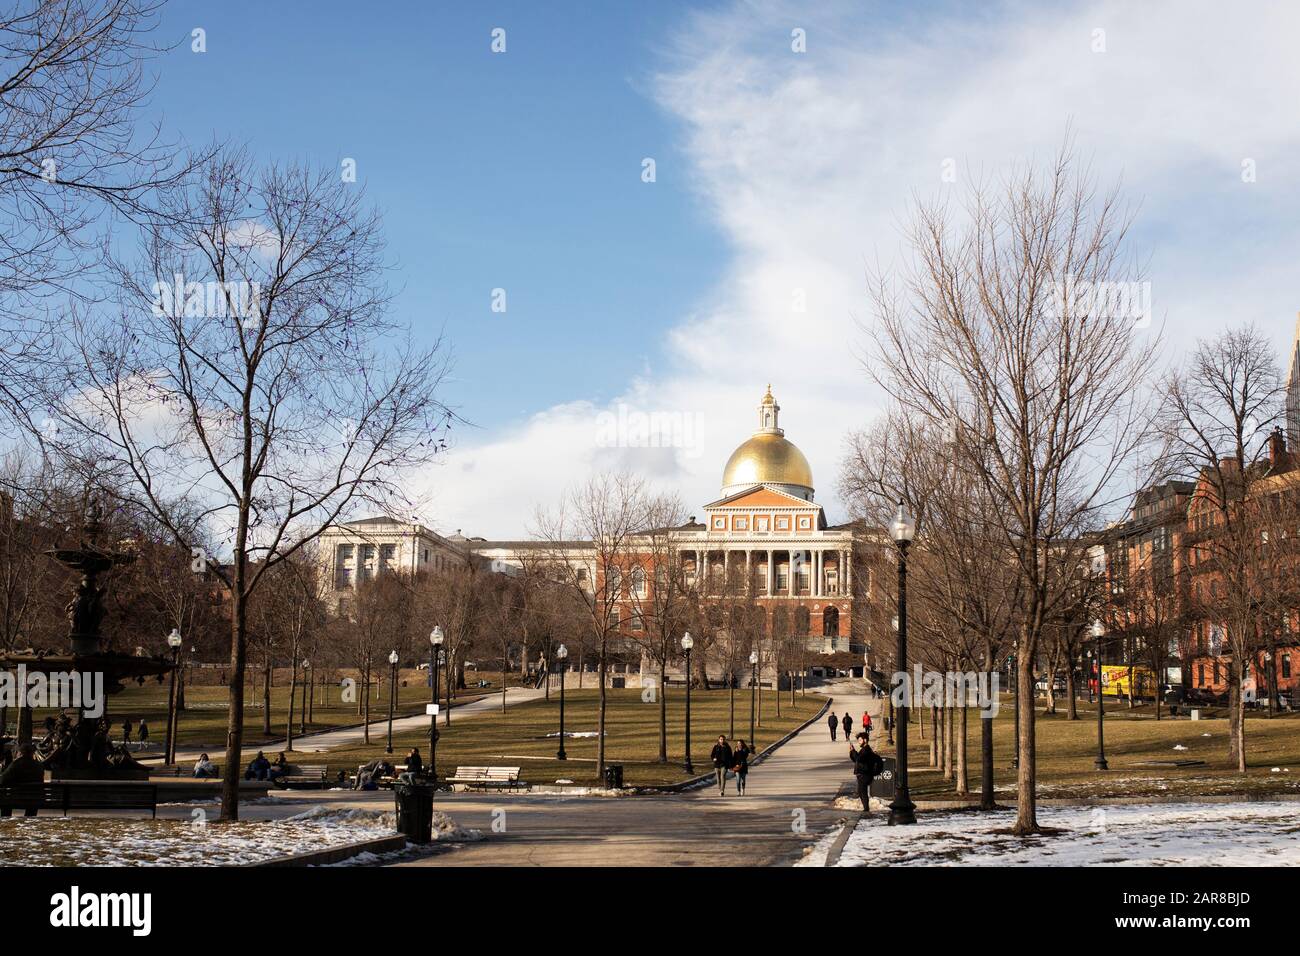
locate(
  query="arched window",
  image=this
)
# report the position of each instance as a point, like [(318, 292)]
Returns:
[(780, 623), (831, 622), (638, 581)]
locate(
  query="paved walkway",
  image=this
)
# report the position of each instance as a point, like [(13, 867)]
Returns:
[(329, 739), (787, 807)]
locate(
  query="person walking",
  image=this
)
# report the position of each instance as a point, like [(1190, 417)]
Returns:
[(23, 770), (126, 731), (722, 759), (847, 724), (866, 765), (866, 723), (740, 763), (143, 731), (834, 723)]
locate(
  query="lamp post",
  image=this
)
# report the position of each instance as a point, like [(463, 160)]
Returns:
[(1100, 762), (889, 721), (562, 655), (1088, 677), (902, 810), (306, 683), (753, 692), (174, 641), (392, 682), (436, 638), (687, 643)]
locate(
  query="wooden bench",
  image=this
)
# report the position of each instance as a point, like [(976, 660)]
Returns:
[(306, 774), (480, 778), (81, 796)]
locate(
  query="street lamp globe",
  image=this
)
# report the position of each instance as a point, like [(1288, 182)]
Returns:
[(562, 652), (1097, 630), (687, 641), (904, 527), (753, 657), (436, 637), (392, 658), (306, 664), (174, 639)]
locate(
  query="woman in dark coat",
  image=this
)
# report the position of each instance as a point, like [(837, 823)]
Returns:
[(740, 764)]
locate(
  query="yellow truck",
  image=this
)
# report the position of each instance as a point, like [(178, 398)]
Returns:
[(1115, 682)]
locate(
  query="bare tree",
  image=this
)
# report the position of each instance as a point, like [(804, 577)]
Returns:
[(593, 540), (998, 337), (264, 384), (1216, 416), (73, 89)]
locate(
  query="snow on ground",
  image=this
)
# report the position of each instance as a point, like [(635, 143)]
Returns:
[(116, 841), (1170, 834)]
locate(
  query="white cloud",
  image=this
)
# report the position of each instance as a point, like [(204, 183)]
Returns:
[(808, 163)]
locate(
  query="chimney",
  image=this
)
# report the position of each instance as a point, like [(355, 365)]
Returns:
[(1276, 447)]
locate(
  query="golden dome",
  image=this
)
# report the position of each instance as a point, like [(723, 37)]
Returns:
[(766, 458)]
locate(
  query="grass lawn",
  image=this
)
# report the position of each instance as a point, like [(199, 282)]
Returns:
[(519, 736), (1066, 750), (207, 707)]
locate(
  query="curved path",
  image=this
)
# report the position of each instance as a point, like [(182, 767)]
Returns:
[(787, 807)]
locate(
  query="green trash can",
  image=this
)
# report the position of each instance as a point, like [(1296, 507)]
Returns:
[(414, 811)]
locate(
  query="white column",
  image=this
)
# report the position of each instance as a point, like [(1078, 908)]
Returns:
[(771, 573), (749, 570), (791, 577), (817, 573)]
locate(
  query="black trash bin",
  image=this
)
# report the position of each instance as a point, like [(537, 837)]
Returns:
[(614, 776), (414, 811)]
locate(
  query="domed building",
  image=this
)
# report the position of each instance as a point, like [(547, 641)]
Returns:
[(764, 550)]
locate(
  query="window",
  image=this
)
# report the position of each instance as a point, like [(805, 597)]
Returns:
[(760, 524), (638, 621), (614, 617), (614, 579), (1286, 666), (1200, 675), (742, 524), (782, 578), (638, 581), (387, 555), (782, 524), (719, 522), (805, 522)]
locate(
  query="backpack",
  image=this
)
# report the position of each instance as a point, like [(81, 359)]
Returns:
[(877, 764)]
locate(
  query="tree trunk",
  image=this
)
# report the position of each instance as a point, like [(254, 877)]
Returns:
[(1072, 712), (600, 720), (987, 800), (934, 737), (293, 686), (266, 698), (963, 784), (663, 707), (365, 705), (948, 735), (238, 666), (1026, 798)]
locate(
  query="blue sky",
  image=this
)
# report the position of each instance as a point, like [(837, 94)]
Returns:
[(781, 176), (518, 170)]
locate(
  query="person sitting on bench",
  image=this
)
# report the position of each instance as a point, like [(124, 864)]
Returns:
[(205, 767), (414, 766), (259, 768), (278, 769), (25, 769)]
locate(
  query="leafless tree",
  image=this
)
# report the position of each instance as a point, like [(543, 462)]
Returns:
[(1216, 415), (75, 154), (279, 402), (997, 337), (593, 539)]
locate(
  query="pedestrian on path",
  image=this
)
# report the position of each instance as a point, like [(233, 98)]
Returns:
[(722, 760), (834, 723), (143, 732), (866, 723), (740, 763), (847, 724), (866, 765)]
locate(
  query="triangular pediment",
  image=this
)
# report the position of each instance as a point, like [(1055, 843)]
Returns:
[(762, 496)]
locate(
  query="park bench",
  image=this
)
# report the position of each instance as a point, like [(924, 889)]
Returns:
[(480, 778), (305, 775), (80, 796)]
